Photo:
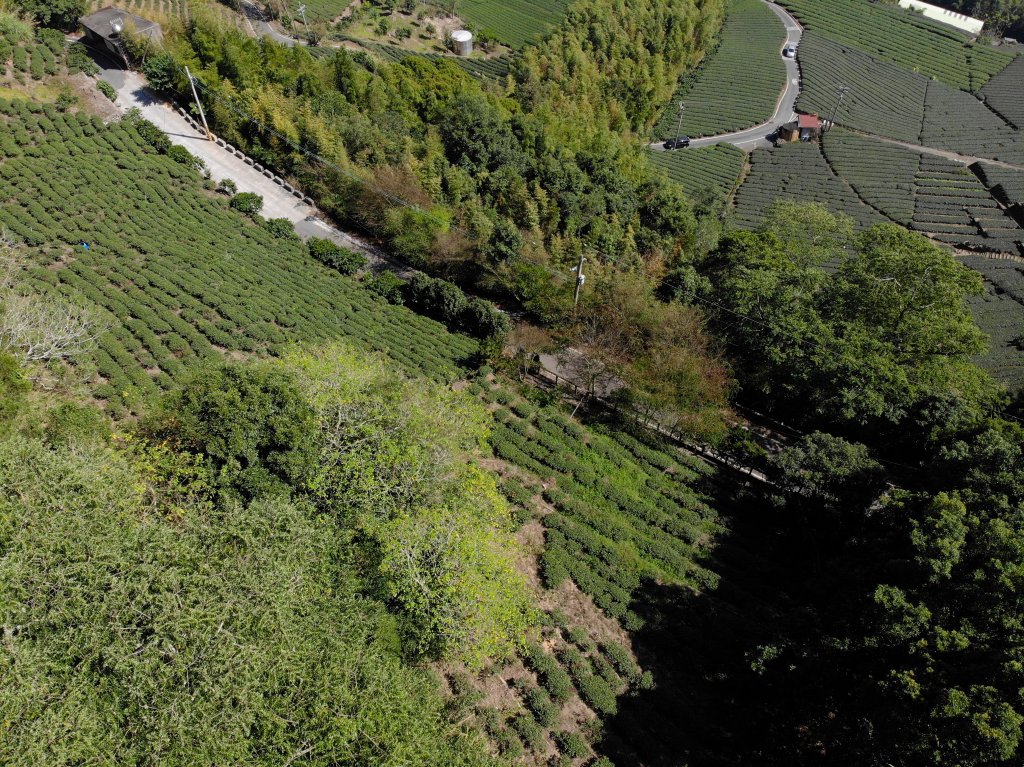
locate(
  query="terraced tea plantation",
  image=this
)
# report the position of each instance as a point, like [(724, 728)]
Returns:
[(1000, 314), (883, 99), (178, 276), (1005, 184), (796, 172), (147, 8), (514, 22), (1004, 93), (903, 38), (706, 170), (490, 69), (738, 85), (957, 121), (625, 509), (938, 197)]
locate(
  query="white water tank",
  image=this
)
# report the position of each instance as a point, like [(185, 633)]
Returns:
[(463, 40)]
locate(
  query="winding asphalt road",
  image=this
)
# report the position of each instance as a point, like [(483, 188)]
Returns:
[(785, 108)]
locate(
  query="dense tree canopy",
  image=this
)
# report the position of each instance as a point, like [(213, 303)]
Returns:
[(54, 13), (224, 634), (388, 461), (857, 329)]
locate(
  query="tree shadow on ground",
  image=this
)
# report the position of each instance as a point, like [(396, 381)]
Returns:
[(719, 698)]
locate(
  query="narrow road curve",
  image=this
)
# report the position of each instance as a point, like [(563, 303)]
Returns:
[(785, 108), (262, 26)]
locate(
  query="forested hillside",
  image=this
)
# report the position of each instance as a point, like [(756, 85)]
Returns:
[(264, 502)]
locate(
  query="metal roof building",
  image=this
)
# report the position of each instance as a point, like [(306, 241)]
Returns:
[(968, 24), (106, 25)]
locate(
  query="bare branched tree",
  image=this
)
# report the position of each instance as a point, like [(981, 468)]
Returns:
[(40, 328), (37, 327)]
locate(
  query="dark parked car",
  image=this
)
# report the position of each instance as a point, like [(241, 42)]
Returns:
[(678, 143)]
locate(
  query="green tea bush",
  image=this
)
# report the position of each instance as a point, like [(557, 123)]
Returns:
[(581, 639), (597, 694), (531, 733), (539, 702), (552, 676), (622, 660), (607, 672), (336, 257), (248, 203), (571, 744)]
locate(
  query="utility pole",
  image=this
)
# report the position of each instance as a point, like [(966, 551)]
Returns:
[(679, 125), (202, 114), (580, 279), (842, 91), (305, 24)]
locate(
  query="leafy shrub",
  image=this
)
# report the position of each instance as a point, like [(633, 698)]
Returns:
[(107, 89), (248, 203), (228, 187), (147, 131), (72, 423), (445, 301), (79, 60), (336, 257), (181, 155), (597, 694), (280, 228), (388, 286), (539, 702), (13, 387), (509, 744), (552, 676), (531, 733), (572, 744), (161, 71)]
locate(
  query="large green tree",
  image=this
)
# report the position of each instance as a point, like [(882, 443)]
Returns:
[(845, 328)]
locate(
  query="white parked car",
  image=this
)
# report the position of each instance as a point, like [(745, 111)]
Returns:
[(789, 52)]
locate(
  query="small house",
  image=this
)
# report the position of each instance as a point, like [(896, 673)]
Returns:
[(803, 128), (808, 127), (104, 28)]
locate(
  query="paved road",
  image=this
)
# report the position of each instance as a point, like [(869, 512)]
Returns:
[(277, 202), (262, 26), (785, 108)]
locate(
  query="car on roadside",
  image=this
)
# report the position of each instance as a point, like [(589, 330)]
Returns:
[(678, 143), (789, 52)]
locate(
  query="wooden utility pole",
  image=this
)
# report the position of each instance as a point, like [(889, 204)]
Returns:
[(679, 125), (195, 94)]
